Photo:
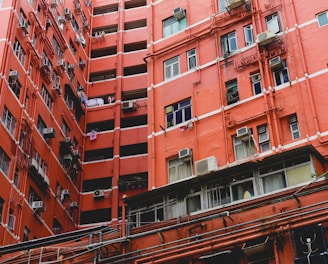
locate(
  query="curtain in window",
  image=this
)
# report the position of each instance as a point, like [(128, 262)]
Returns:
[(274, 182)]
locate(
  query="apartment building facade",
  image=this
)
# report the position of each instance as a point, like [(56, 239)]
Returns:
[(203, 130)]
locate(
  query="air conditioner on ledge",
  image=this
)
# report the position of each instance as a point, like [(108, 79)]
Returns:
[(205, 166)]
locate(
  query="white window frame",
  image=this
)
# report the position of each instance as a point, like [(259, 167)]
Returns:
[(192, 59), (215, 196), (249, 35), (46, 97), (243, 149), (4, 162), (323, 14), (272, 22), (264, 138), (252, 193), (182, 108), (172, 25), (256, 79), (294, 128), (172, 68), (179, 169), (273, 174), (9, 121), (229, 43), (19, 52), (279, 75)]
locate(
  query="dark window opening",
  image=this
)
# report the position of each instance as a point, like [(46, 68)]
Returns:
[(135, 94), (135, 3), (134, 121), (105, 9), (133, 181), (135, 69), (101, 126), (135, 149), (135, 24), (56, 226), (104, 75), (135, 46), (96, 216), (106, 29), (104, 52), (96, 184), (98, 154)]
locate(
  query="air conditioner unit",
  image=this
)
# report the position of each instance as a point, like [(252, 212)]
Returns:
[(184, 153), (231, 4), (179, 13), (33, 165), (73, 205), (128, 106), (100, 34), (265, 38), (38, 205), (13, 75), (23, 26), (54, 4), (276, 63), (242, 132), (61, 20), (232, 97), (56, 87), (61, 64), (98, 194), (65, 192), (68, 14), (205, 166), (49, 132)]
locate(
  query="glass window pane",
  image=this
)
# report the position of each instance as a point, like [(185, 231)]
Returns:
[(323, 20), (274, 182), (178, 117), (242, 191)]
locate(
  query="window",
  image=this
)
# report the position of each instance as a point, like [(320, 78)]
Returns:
[(192, 59), (19, 52), (65, 128), (15, 86), (2, 203), (228, 43), (232, 92), (4, 162), (46, 97), (222, 5), (294, 129), (57, 48), (256, 83), (41, 125), (244, 147), (178, 113), (242, 190), (274, 182), (172, 25), (16, 177), (281, 75), (272, 22), (171, 67), (264, 141), (217, 195), (26, 236), (249, 35), (179, 169), (9, 121), (322, 18)]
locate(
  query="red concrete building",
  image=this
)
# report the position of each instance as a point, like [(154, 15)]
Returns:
[(195, 131)]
